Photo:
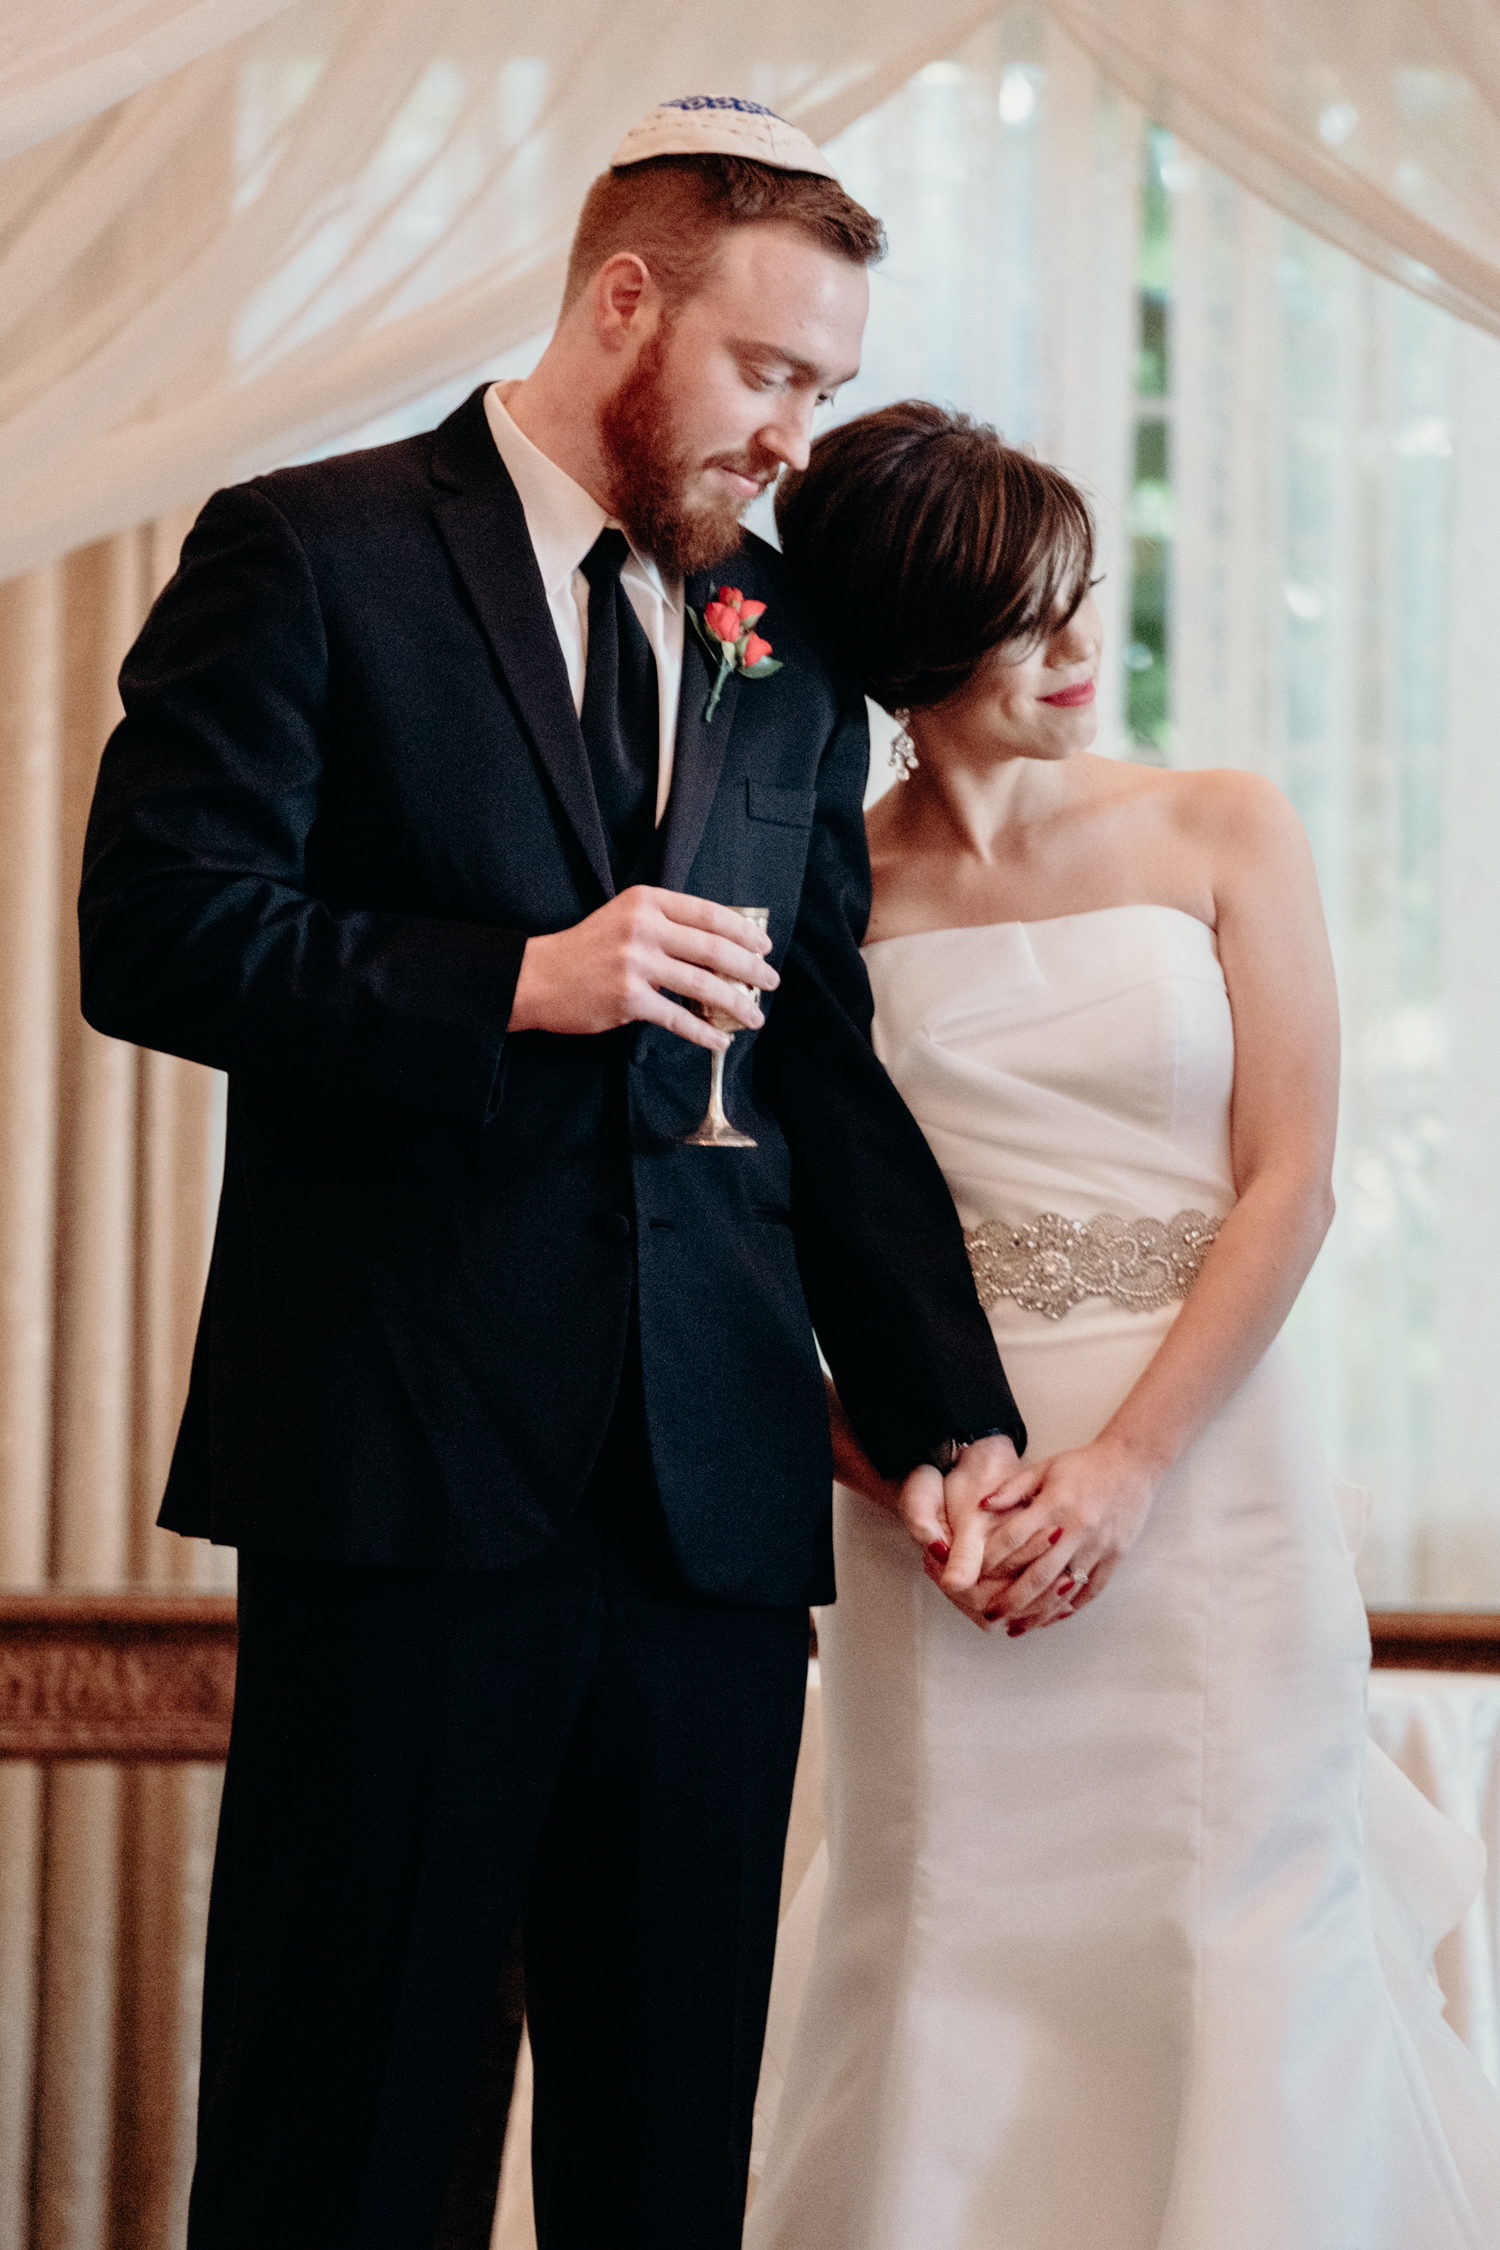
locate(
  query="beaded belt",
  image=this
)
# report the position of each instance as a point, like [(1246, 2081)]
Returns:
[(1055, 1263)]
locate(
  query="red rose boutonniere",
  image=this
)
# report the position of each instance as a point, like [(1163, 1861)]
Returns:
[(726, 628)]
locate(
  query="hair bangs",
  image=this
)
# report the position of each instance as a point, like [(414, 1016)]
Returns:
[(921, 543)]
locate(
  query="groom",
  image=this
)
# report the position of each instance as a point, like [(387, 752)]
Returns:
[(424, 822)]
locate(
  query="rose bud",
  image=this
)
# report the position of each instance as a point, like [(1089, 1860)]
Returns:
[(755, 649), (720, 619), (731, 595), (749, 611)]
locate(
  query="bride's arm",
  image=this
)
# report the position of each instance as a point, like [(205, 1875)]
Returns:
[(1274, 951)]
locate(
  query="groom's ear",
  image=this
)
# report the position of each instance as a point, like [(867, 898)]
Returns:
[(625, 302)]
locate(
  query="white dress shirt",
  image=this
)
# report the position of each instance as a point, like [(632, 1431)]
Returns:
[(564, 521)]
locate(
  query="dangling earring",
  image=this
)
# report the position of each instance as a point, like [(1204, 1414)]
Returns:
[(903, 749)]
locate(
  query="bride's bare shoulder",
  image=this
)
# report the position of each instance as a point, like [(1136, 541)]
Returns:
[(1190, 790), (1218, 805), (1247, 839), (1241, 810)]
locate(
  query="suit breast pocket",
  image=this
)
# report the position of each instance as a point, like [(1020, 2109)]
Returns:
[(786, 808), (767, 854)]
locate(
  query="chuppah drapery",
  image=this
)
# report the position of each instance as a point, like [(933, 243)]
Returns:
[(399, 183), (324, 217), (397, 178)]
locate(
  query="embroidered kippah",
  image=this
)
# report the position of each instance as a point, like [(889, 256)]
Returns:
[(721, 125)]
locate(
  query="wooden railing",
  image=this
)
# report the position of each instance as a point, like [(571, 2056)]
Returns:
[(146, 1676), (1436, 1640), (135, 1676)]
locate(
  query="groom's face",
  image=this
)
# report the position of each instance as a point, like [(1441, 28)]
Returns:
[(723, 392)]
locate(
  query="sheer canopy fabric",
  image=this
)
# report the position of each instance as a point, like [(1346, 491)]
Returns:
[(302, 216), (62, 61), (334, 213), (1376, 123)]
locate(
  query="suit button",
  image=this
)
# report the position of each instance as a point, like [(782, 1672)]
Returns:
[(611, 1226)]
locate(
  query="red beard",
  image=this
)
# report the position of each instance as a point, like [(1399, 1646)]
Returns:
[(649, 477)]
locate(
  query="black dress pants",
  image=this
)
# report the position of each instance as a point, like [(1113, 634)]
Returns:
[(416, 1758)]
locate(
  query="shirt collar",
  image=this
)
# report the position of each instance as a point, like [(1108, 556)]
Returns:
[(563, 519)]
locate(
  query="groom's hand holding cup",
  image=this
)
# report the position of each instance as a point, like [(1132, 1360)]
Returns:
[(622, 963)]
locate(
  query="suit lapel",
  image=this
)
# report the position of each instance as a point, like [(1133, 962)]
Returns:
[(698, 755), (484, 529)]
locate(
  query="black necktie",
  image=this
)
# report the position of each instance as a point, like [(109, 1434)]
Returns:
[(619, 715)]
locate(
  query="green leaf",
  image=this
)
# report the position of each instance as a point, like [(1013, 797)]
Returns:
[(762, 670)]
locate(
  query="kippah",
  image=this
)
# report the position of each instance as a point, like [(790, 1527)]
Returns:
[(721, 125)]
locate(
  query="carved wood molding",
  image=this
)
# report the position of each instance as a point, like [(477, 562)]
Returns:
[(133, 1676), (1436, 1640), (150, 1676)]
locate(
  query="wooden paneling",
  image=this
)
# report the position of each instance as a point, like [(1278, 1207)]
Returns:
[(1436, 1640), (137, 1676), (149, 1676)]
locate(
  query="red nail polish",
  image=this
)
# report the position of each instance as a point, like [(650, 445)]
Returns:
[(991, 1616), (1054, 1536), (938, 1551), (1015, 1631)]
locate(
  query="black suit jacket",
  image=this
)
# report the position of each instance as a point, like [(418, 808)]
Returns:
[(348, 786)]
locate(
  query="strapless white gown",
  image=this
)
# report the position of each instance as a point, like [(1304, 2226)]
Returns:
[(1123, 1936)]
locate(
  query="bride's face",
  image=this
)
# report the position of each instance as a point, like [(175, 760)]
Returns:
[(1034, 703)]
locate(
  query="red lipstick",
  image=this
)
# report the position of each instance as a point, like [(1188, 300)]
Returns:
[(1068, 698)]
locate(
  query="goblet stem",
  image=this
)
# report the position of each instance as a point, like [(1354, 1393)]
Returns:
[(716, 1130), (717, 1120)]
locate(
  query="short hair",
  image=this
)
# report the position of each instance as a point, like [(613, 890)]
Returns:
[(673, 210), (918, 540)]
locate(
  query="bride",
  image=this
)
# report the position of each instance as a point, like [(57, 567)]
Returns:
[(1122, 1947)]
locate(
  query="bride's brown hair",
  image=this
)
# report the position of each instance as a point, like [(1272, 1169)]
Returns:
[(919, 540)]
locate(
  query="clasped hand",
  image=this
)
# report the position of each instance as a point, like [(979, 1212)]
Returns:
[(622, 962), (1021, 1544)]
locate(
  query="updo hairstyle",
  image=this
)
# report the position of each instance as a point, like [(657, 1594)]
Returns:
[(918, 540)]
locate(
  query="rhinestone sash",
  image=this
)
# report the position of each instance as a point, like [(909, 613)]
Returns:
[(1053, 1264)]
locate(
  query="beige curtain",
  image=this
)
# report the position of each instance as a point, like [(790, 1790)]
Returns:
[(108, 1183), (63, 61)]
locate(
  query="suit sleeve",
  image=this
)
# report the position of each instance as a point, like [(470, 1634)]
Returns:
[(198, 933), (879, 1244)]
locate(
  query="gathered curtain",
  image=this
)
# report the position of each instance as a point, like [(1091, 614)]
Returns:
[(230, 231), (333, 212), (63, 61), (109, 1160), (1374, 123)]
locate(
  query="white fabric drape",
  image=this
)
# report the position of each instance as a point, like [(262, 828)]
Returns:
[(325, 217), (62, 61), (1443, 1730), (1336, 482), (1376, 123), (338, 204)]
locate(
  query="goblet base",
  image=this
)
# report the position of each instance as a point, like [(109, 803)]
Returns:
[(710, 1135)]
